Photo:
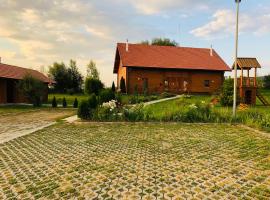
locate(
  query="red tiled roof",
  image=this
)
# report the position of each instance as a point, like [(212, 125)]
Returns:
[(168, 57), (14, 72)]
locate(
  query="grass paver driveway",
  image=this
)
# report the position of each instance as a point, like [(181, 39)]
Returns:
[(136, 161)]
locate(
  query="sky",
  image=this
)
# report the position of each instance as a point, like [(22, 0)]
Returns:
[(36, 33)]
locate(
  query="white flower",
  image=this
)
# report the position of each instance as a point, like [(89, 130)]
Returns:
[(111, 105), (193, 106)]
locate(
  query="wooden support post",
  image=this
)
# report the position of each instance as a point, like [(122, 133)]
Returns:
[(248, 78), (242, 74), (255, 77)]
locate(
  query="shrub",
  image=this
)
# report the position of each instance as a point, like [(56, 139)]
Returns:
[(106, 95), (54, 102), (75, 104), (92, 101), (135, 113), (33, 89), (64, 103), (226, 96), (266, 82), (93, 86), (84, 110), (123, 85), (113, 87)]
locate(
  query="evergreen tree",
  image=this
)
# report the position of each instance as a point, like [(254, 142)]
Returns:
[(123, 85), (75, 104), (64, 103), (54, 102), (113, 87)]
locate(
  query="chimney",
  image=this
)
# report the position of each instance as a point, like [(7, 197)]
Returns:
[(127, 46), (211, 51)]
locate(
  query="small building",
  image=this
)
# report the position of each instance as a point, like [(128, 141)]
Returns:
[(169, 69), (247, 84), (9, 78)]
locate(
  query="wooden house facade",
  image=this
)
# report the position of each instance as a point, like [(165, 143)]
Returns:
[(169, 69), (10, 76)]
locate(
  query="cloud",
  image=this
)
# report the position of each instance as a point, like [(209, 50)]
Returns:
[(222, 24), (151, 7), (43, 32)]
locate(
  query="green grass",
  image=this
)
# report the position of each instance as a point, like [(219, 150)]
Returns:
[(266, 94), (158, 110), (16, 109), (69, 98)]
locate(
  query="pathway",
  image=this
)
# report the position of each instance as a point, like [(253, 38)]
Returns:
[(161, 100), (14, 125)]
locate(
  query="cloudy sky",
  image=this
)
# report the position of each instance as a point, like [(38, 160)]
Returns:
[(35, 33)]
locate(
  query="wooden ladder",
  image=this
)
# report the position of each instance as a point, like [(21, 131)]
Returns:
[(262, 99)]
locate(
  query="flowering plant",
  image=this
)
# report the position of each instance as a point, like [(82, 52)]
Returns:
[(111, 105)]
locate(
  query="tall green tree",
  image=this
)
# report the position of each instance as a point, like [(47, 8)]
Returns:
[(123, 85), (92, 71), (113, 87), (76, 79), (59, 73), (92, 85), (68, 79), (33, 89)]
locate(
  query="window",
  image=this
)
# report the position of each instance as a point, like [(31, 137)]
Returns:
[(206, 83)]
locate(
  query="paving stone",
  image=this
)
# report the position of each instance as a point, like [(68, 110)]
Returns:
[(136, 161)]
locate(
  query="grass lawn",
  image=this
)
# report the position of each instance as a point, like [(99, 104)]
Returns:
[(136, 161), (161, 109), (69, 98), (18, 109)]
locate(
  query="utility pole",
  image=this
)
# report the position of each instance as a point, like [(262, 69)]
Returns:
[(236, 56)]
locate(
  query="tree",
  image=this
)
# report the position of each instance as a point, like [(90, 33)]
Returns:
[(75, 104), (58, 72), (33, 89), (164, 42), (68, 79), (146, 42), (54, 102), (113, 87), (75, 77), (92, 71), (123, 85), (160, 42), (64, 103), (266, 81), (93, 86), (226, 96)]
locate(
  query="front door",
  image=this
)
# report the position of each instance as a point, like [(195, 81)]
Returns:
[(10, 91)]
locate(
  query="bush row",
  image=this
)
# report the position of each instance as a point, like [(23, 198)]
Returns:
[(64, 103)]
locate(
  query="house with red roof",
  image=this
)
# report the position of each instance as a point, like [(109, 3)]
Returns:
[(168, 69), (9, 78)]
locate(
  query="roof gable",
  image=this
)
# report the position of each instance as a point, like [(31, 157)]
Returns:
[(247, 63), (14, 72), (168, 57)]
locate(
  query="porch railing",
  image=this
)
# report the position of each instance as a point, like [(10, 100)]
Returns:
[(247, 82)]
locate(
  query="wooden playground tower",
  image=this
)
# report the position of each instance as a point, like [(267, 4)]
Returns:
[(247, 85)]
